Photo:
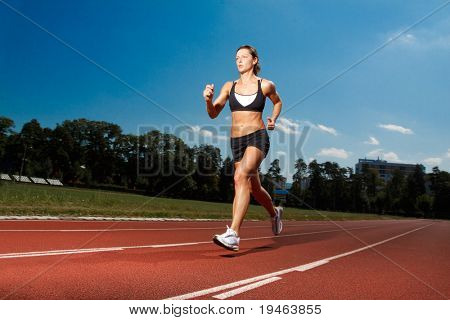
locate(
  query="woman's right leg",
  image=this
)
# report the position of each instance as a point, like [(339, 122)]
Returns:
[(247, 167), (261, 195), (236, 166)]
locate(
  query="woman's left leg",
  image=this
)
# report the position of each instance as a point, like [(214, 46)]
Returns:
[(261, 195), (247, 168)]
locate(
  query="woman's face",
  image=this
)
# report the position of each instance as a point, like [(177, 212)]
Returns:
[(245, 60)]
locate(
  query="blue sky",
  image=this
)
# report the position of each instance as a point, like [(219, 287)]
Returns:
[(394, 105)]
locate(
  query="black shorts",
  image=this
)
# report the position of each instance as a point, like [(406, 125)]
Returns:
[(259, 139)]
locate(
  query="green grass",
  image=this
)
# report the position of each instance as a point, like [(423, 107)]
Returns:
[(29, 199)]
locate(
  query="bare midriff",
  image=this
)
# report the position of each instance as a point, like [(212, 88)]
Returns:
[(245, 122)]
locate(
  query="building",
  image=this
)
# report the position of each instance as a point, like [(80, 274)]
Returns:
[(385, 169)]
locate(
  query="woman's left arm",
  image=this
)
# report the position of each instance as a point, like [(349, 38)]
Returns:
[(272, 93)]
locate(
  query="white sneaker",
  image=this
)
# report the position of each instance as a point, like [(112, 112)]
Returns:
[(228, 240), (277, 224)]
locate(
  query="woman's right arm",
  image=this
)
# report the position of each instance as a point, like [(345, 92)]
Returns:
[(214, 108)]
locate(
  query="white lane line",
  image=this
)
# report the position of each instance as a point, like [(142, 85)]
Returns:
[(375, 244), (55, 253), (171, 245), (312, 232), (91, 250), (249, 287), (147, 229), (312, 265), (246, 239), (204, 292)]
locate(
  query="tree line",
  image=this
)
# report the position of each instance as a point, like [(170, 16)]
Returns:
[(98, 154), (331, 187)]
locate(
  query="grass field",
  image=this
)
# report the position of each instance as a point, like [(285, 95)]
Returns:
[(29, 199)]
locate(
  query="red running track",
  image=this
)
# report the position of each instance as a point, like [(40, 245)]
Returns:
[(387, 259)]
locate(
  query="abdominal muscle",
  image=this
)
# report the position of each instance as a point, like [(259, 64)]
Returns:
[(245, 122)]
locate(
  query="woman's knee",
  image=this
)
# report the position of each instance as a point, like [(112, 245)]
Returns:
[(241, 178)]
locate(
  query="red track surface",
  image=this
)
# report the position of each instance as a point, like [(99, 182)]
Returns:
[(414, 264)]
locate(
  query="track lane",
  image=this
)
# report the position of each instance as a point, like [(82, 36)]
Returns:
[(421, 270), (141, 235), (165, 272)]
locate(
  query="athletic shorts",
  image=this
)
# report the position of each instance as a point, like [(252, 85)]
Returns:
[(259, 139)]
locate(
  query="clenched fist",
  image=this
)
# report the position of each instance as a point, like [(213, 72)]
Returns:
[(208, 93), (270, 123)]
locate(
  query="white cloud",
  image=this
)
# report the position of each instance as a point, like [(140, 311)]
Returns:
[(291, 126), (195, 129), (288, 126), (307, 123), (397, 128), (287, 130), (228, 118), (289, 122), (334, 152), (375, 153), (448, 153), (327, 129), (207, 133), (408, 38), (224, 138), (388, 156), (405, 39), (372, 140), (432, 161), (436, 36), (391, 156)]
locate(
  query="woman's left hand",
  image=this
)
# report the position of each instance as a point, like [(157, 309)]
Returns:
[(270, 123)]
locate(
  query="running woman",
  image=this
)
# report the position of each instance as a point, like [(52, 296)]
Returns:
[(249, 139)]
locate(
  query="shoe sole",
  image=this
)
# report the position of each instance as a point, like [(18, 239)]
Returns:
[(219, 243)]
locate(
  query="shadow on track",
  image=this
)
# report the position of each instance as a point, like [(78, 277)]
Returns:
[(279, 242)]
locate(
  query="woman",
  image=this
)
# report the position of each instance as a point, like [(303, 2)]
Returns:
[(249, 139)]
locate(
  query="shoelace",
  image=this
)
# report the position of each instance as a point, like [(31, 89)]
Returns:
[(228, 232)]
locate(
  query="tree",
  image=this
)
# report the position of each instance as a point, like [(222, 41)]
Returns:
[(334, 185), (372, 183), (101, 149), (295, 196), (357, 193), (127, 154), (394, 191), (206, 175), (226, 180), (425, 204), (440, 185), (316, 185), (273, 178), (73, 139), (414, 187), (275, 172), (34, 142), (6, 131)]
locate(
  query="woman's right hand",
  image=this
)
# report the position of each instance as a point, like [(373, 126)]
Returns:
[(208, 93)]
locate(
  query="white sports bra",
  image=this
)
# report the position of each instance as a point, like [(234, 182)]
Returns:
[(245, 100)]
